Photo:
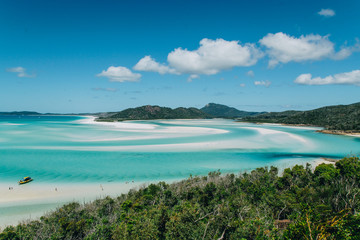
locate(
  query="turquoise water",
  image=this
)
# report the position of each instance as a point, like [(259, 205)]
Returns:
[(76, 155), (65, 149)]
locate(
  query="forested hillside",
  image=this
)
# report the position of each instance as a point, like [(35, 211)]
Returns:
[(298, 204), (340, 117), (223, 111), (154, 112)]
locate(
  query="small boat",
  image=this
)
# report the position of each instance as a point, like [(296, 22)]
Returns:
[(25, 180)]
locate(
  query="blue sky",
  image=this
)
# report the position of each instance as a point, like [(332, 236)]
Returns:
[(91, 56)]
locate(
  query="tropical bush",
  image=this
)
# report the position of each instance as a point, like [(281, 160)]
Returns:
[(262, 204)]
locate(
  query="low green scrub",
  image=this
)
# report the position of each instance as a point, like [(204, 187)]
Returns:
[(341, 117), (263, 204)]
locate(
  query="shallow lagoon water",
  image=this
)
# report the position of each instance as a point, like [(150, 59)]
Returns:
[(71, 150)]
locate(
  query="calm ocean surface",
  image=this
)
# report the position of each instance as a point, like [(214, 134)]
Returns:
[(72, 150)]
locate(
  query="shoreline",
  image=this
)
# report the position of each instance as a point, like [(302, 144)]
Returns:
[(350, 133), (30, 201), (322, 160), (35, 200), (340, 132), (324, 131)]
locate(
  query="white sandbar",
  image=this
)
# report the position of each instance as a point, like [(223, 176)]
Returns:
[(31, 199)]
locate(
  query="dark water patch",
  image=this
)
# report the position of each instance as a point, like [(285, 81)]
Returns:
[(40, 118), (302, 155)]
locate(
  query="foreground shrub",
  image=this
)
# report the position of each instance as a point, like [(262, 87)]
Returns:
[(298, 204)]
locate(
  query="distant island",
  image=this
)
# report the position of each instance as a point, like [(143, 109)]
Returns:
[(149, 112), (339, 119)]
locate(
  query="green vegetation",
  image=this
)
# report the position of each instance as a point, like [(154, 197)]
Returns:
[(222, 111), (148, 112), (299, 204), (154, 112), (335, 119), (341, 117)]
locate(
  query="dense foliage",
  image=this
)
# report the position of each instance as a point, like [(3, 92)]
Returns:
[(340, 117), (223, 111), (154, 112), (148, 112), (298, 204)]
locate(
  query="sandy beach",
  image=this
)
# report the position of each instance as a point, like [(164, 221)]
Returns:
[(83, 160), (33, 199)]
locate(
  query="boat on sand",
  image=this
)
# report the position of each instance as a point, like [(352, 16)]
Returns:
[(25, 180)]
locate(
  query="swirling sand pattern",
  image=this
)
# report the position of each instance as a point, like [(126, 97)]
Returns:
[(84, 159)]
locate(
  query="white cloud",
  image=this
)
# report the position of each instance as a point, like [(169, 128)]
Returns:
[(149, 64), (21, 72), (192, 76), (283, 48), (327, 12), (266, 83), (347, 78), (120, 74), (242, 84), (250, 73), (346, 52), (213, 56)]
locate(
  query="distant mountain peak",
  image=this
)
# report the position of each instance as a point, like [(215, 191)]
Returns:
[(223, 111), (149, 112)]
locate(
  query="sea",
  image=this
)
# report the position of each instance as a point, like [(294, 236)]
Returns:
[(70, 156)]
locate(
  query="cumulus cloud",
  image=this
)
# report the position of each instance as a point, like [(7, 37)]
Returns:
[(120, 74), (283, 48), (213, 56), (266, 83), (327, 12), (347, 78), (21, 72), (149, 64)]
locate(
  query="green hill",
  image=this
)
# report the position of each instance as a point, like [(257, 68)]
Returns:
[(339, 117), (223, 111), (154, 112)]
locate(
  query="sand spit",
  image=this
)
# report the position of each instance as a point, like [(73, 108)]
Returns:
[(34, 199), (133, 126), (264, 131)]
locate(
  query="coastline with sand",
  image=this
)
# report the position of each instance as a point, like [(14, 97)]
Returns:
[(35, 200), (83, 160)]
